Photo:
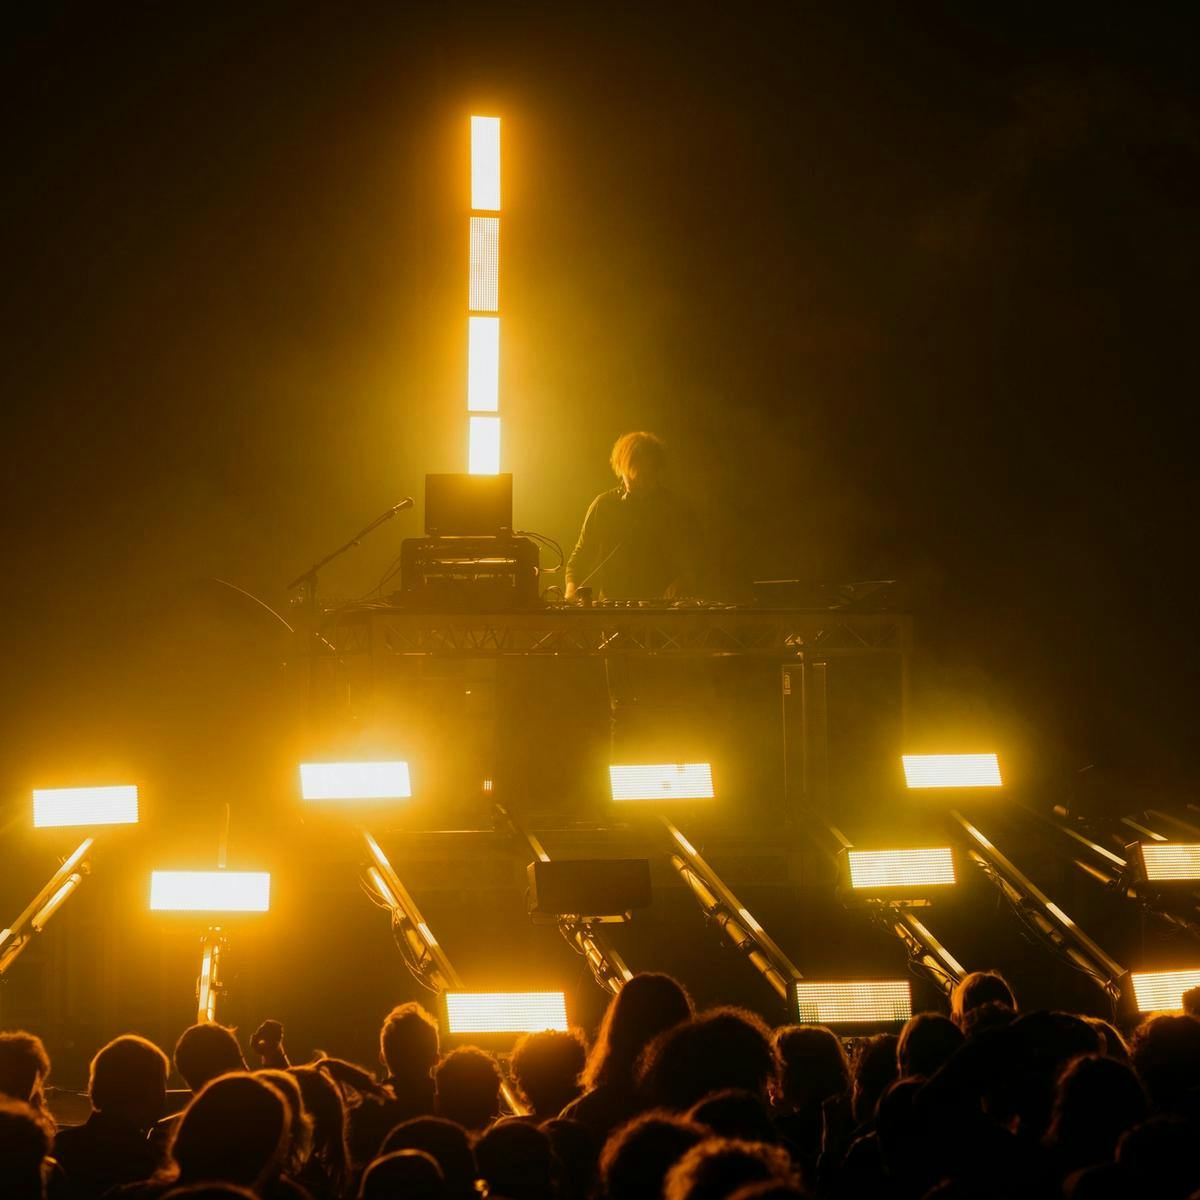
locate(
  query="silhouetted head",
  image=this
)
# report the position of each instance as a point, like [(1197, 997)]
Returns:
[(812, 1066), (24, 1065), (516, 1160), (408, 1042), (448, 1145), (980, 987), (1112, 1043), (1097, 1100), (927, 1042), (547, 1066), (901, 1137), (467, 1083), (648, 1005), (24, 1144), (636, 1158), (733, 1114), (411, 1174), (300, 1129), (577, 1150), (1191, 1002), (324, 1105), (639, 460), (128, 1080), (205, 1051), (770, 1189), (1166, 1055), (874, 1068), (717, 1167), (986, 1017), (236, 1130), (1036, 1048), (1159, 1159), (210, 1191), (720, 1049)]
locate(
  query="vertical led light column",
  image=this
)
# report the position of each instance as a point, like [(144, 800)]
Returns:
[(483, 300)]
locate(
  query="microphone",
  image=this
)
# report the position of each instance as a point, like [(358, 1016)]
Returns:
[(407, 502)]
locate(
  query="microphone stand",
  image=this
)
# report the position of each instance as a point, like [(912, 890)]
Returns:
[(307, 583)]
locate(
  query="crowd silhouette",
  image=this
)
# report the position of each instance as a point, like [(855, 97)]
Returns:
[(667, 1104)]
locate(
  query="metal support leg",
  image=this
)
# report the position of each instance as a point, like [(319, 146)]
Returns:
[(45, 904), (208, 987)]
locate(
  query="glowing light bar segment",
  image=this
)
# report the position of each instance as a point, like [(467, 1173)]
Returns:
[(951, 770), (483, 293), (483, 454), (901, 868), (355, 781), (1162, 991), (210, 891), (664, 781), (483, 364), (506, 1012), (485, 163), (853, 1001), (85, 806), (1171, 862)]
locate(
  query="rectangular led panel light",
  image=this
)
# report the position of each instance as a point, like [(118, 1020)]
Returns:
[(869, 1001), (483, 364), (1162, 991), (1171, 862), (483, 454), (663, 781), (901, 868), (85, 806), (483, 292), (485, 163), (505, 1012), (951, 770), (210, 891), (355, 781)]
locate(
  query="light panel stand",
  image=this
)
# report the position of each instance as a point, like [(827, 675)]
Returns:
[(52, 896), (731, 916), (579, 930)]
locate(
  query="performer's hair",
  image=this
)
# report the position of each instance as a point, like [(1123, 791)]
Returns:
[(640, 446)]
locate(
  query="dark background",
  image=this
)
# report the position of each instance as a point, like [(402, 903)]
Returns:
[(908, 289)]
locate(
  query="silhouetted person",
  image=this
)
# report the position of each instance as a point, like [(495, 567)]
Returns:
[(127, 1085), (24, 1144), (300, 1129), (236, 1129), (1159, 1159), (1191, 1002), (985, 1017), (203, 1052), (769, 1189), (467, 1087), (735, 1114), (636, 1158), (1112, 1043), (546, 1067), (722, 1048), (578, 1152), (24, 1065), (717, 1167), (1097, 1100), (403, 1175), (409, 1050), (648, 1005), (1166, 1055), (210, 1191), (813, 1073), (327, 1172), (980, 987), (926, 1043), (874, 1068), (449, 1146), (267, 1043), (516, 1161)]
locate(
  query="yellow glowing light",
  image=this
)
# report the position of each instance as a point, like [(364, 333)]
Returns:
[(901, 868), (483, 364), (210, 891), (483, 293), (662, 781), (355, 781), (505, 1012), (1171, 862), (1162, 991), (951, 770), (85, 806), (485, 163), (483, 455), (866, 1001)]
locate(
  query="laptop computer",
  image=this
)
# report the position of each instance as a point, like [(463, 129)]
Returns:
[(461, 505)]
